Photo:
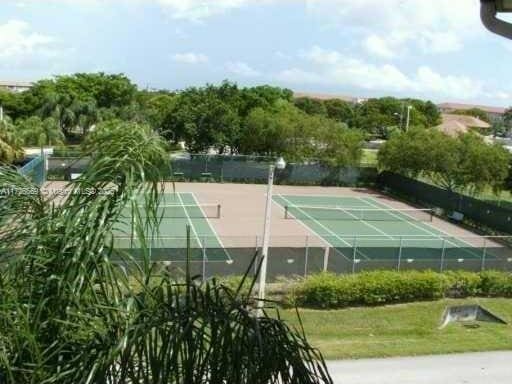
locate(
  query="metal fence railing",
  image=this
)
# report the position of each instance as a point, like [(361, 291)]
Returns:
[(35, 170), (305, 255), (479, 211)]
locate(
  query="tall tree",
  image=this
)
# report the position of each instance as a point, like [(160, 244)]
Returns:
[(63, 108), (339, 110), (311, 106), (37, 132), (10, 142), (337, 146), (462, 163)]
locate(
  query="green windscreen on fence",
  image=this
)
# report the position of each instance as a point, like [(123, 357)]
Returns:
[(487, 214), (34, 170), (242, 169), (254, 169)]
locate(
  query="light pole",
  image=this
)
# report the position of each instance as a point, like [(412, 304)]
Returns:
[(1, 113), (279, 164), (409, 107)]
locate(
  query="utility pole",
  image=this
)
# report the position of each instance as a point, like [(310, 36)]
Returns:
[(1, 113), (409, 107)]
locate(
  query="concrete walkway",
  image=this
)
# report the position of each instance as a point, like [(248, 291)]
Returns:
[(471, 368)]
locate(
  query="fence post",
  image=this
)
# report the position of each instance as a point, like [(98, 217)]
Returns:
[(326, 258), (204, 259), (258, 255), (306, 256), (400, 253), (484, 255), (443, 254), (354, 255), (43, 159)]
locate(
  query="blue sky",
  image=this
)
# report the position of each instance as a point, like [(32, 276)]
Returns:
[(434, 49)]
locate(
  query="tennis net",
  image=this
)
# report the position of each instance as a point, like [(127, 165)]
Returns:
[(303, 212), (178, 211)]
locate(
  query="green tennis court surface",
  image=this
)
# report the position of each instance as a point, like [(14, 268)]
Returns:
[(362, 228), (175, 212)]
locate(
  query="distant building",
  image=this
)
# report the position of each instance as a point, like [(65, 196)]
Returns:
[(15, 86), (494, 113), (327, 96), (454, 125)]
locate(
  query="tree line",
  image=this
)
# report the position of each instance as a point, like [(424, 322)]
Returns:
[(465, 163), (261, 120)]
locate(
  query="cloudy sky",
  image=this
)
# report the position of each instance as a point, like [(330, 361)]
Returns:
[(434, 49)]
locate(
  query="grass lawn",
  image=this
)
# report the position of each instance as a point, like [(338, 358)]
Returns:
[(503, 199), (369, 157), (402, 330)]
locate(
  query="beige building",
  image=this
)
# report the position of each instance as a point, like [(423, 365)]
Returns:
[(495, 113), (454, 125), (328, 96), (15, 86)]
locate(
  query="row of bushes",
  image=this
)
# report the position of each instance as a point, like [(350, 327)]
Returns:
[(386, 287)]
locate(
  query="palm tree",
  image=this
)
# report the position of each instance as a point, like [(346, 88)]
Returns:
[(10, 142), (69, 313), (88, 115), (37, 132), (61, 107)]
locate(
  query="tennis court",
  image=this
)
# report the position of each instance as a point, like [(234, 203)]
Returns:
[(175, 212), (363, 229), (366, 230)]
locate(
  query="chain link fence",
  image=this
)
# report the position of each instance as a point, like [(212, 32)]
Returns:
[(306, 255), (486, 214), (234, 169)]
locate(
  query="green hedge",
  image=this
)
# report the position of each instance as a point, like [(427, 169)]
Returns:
[(386, 287)]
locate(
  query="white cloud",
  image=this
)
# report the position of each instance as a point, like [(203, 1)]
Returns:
[(191, 10), (330, 68), (17, 40), (404, 26), (300, 76), (190, 58), (199, 9), (242, 69), (378, 46)]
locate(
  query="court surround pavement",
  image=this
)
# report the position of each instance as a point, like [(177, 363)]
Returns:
[(471, 368)]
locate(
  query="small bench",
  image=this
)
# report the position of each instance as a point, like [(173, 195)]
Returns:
[(456, 216), (206, 177), (178, 176)]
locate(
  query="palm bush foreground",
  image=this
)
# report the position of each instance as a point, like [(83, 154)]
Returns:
[(70, 314)]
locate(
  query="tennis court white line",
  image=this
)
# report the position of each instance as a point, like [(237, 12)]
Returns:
[(190, 222), (354, 216), (327, 244), (426, 230), (321, 225), (323, 196), (369, 225), (210, 225)]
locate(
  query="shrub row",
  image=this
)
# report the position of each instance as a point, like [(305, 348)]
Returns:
[(386, 287)]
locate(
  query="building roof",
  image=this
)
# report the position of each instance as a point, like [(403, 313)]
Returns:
[(454, 125), (327, 96), (460, 106)]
